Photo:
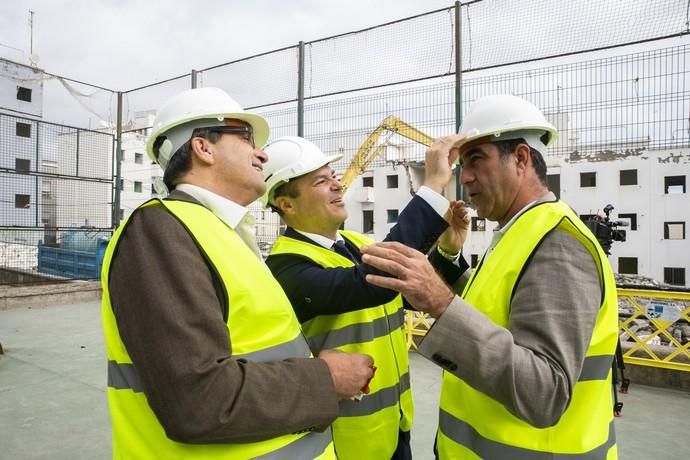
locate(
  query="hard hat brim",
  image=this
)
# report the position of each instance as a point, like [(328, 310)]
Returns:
[(268, 197), (505, 135), (259, 126)]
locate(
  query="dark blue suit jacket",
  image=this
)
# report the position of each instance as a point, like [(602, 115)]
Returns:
[(314, 290)]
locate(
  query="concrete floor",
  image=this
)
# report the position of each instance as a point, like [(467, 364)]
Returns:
[(53, 404)]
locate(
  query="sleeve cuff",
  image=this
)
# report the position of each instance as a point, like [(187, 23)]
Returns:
[(433, 199), (448, 256)]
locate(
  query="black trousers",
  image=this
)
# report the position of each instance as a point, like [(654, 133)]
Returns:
[(403, 451)]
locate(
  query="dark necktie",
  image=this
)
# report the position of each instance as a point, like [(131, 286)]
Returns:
[(340, 247)]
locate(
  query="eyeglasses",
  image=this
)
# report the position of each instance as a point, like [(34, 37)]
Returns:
[(245, 132)]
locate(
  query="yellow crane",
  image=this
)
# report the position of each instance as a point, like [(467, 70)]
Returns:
[(416, 323), (368, 151)]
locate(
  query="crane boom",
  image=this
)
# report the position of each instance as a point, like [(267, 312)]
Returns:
[(367, 153)]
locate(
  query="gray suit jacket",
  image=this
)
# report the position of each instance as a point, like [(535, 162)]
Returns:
[(532, 366)]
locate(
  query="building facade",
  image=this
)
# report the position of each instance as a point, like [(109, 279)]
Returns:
[(139, 173), (21, 151), (21, 89), (647, 188), (54, 178)]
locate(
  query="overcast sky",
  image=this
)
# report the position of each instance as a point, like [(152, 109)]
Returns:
[(121, 44)]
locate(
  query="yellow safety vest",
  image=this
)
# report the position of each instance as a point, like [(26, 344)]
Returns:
[(471, 424), (366, 429), (263, 328)]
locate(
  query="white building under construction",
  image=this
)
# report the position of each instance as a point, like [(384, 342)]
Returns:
[(647, 188)]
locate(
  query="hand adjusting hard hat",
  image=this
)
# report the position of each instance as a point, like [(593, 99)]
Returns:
[(505, 117), (197, 108), (290, 157)]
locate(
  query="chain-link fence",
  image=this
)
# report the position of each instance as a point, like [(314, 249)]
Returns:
[(566, 57), (493, 34), (616, 101), (56, 184)]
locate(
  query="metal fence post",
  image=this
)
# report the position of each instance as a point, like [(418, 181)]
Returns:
[(300, 90), (118, 162), (77, 158), (194, 81), (458, 88), (37, 178)]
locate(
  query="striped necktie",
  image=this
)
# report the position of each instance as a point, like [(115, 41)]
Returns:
[(341, 248)]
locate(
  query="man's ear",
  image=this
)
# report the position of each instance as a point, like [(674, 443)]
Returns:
[(202, 150), (284, 204), (523, 157)]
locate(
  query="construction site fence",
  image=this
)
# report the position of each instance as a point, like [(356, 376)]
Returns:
[(56, 184), (654, 328), (427, 46), (427, 70), (464, 38), (613, 73)]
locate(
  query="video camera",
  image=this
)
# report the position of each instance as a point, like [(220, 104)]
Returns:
[(605, 230)]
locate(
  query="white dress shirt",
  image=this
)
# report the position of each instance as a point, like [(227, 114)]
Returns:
[(236, 216)]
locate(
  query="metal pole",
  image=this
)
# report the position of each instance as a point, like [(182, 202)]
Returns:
[(194, 82), (118, 162), (31, 38), (300, 90), (458, 88), (77, 159), (36, 168)]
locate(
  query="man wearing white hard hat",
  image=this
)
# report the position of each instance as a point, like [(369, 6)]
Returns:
[(320, 269), (528, 344), (206, 358)]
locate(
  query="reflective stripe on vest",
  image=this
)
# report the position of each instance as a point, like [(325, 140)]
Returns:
[(471, 424), (357, 333), (366, 429), (272, 334), (385, 397), (595, 368), (312, 445), (296, 347), (463, 433), (124, 375)]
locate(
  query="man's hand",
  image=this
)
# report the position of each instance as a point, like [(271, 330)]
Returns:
[(350, 372), (414, 277), (439, 158), (452, 240)]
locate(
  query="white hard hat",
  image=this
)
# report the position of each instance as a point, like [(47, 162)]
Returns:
[(197, 108), (506, 117), (290, 157)]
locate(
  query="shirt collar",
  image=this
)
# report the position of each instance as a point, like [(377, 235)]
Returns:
[(547, 197), (320, 239), (228, 211)]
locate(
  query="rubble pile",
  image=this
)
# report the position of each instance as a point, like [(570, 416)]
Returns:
[(644, 282)]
